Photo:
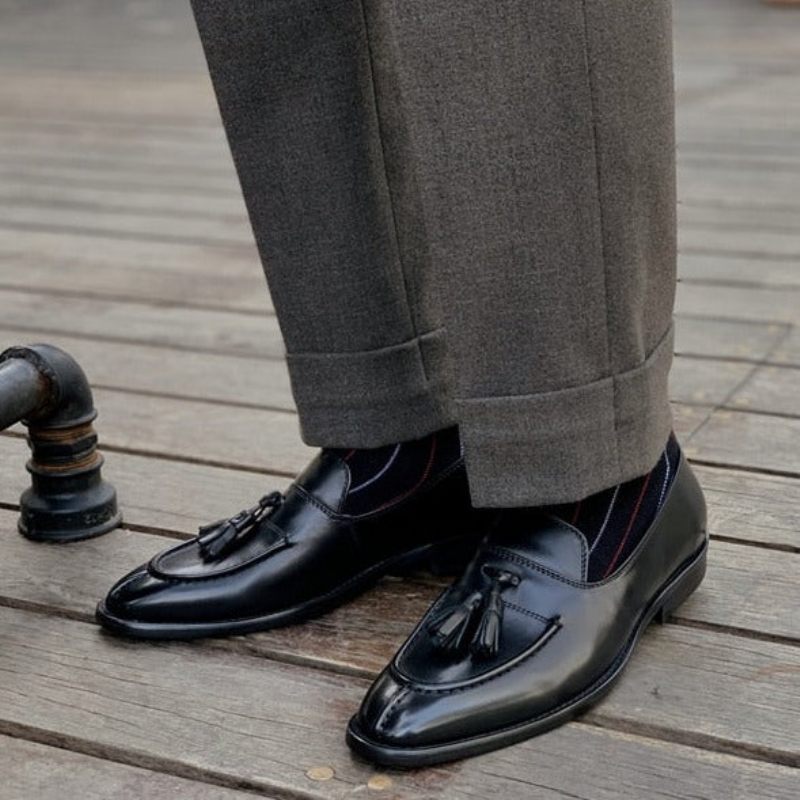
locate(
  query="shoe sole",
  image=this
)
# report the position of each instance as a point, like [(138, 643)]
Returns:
[(442, 558), (671, 595)]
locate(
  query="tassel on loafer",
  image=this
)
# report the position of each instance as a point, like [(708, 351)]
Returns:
[(523, 642)]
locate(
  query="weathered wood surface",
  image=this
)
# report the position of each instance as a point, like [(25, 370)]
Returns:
[(754, 441), (173, 708), (223, 332), (728, 338), (34, 771), (123, 238)]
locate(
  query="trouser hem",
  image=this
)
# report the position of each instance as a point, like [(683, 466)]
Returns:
[(561, 446), (372, 398)]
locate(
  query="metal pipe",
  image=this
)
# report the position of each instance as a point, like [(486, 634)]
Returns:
[(21, 389), (46, 389)]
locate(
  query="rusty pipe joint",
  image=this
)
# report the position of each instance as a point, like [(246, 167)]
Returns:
[(45, 388)]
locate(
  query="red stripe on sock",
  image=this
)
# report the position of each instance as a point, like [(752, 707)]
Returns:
[(634, 514), (425, 474), (349, 455), (577, 512)]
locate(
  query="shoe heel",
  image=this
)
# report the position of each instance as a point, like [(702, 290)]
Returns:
[(682, 588)]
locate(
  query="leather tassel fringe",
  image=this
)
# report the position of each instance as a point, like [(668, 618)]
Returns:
[(218, 538), (452, 628)]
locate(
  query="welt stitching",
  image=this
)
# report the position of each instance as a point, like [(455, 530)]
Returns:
[(535, 565)]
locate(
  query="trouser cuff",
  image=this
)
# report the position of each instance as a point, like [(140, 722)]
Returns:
[(372, 398), (562, 446)]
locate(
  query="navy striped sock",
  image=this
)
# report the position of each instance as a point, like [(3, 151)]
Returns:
[(383, 476), (614, 521)]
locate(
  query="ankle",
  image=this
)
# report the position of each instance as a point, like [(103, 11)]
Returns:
[(381, 477), (614, 521)]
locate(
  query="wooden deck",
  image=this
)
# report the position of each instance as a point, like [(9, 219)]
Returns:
[(123, 239)]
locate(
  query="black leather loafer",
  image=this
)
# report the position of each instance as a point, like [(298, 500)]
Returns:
[(293, 557), (522, 642)]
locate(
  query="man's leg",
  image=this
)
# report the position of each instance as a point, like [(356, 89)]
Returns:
[(542, 134), (337, 228)]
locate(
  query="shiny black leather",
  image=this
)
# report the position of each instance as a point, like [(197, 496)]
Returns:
[(303, 558), (562, 641)]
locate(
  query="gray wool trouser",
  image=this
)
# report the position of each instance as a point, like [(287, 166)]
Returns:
[(466, 213)]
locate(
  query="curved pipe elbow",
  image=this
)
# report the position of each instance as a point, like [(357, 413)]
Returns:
[(64, 396)]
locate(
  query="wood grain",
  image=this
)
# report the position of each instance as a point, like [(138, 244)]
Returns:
[(32, 770), (272, 724), (748, 440), (123, 237)]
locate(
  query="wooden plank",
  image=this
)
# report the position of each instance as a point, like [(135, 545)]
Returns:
[(243, 437), (789, 350), (753, 441), (735, 268), (749, 588), (732, 215), (752, 507), (137, 96), (246, 437), (113, 199), (224, 332), (770, 389), (771, 243), (747, 304), (696, 185), (140, 179), (726, 338), (154, 225), (29, 138), (239, 380), (32, 770), (79, 251), (165, 132), (157, 226), (279, 721), (765, 158), (705, 381), (211, 281)]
